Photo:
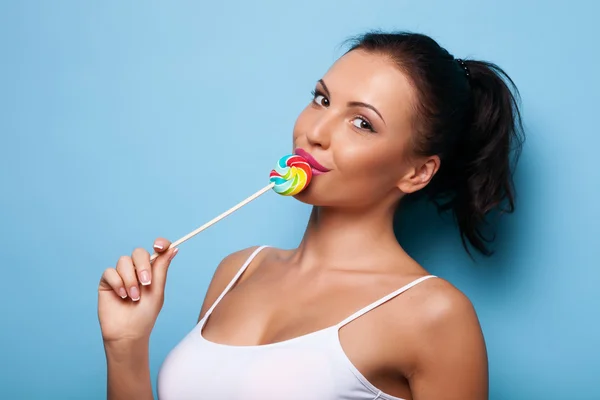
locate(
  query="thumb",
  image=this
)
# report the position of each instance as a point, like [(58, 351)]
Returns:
[(160, 267)]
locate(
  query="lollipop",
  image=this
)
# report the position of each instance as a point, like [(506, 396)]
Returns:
[(291, 175)]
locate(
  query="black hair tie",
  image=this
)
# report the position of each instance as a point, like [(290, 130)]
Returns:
[(463, 65)]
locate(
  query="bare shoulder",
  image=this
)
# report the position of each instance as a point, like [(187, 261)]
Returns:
[(443, 305), (224, 273), (452, 355), (444, 316)]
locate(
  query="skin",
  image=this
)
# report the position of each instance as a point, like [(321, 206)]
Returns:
[(424, 344)]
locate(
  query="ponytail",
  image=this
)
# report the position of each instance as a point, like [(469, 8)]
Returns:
[(490, 138)]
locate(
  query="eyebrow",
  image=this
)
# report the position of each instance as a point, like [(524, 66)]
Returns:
[(324, 87), (352, 103)]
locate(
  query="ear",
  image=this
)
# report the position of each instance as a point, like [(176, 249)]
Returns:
[(419, 175)]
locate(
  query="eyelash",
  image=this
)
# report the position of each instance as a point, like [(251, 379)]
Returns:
[(317, 92)]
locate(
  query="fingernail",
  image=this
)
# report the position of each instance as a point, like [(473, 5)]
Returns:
[(158, 246), (122, 293), (175, 251), (145, 278), (134, 293)]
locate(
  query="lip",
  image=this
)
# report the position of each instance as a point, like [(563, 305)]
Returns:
[(311, 161)]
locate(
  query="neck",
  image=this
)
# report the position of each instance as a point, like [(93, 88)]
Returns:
[(347, 238)]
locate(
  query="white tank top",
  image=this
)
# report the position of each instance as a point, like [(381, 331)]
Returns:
[(308, 367)]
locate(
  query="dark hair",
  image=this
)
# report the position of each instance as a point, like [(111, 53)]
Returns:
[(466, 114)]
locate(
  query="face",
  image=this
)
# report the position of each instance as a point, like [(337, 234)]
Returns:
[(358, 128)]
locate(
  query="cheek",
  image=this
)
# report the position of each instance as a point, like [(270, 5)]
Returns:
[(373, 165)]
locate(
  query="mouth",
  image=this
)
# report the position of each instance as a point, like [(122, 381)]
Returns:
[(317, 168)]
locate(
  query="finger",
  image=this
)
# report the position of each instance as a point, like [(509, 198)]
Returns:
[(161, 245), (141, 263), (112, 280), (161, 266), (127, 273)]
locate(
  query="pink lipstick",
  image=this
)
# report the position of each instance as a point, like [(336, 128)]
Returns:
[(317, 168)]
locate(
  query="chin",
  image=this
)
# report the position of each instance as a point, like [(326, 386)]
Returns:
[(307, 197), (313, 195)]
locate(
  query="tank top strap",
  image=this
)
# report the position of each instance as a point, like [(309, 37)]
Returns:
[(382, 300), (234, 280)]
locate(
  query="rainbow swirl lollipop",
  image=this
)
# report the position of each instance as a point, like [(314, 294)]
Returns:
[(291, 175)]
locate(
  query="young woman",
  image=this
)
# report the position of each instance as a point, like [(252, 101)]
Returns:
[(348, 314)]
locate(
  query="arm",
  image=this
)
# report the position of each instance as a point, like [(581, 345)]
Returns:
[(128, 371), (452, 359), (127, 311)]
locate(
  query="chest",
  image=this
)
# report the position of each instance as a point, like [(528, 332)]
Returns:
[(272, 307)]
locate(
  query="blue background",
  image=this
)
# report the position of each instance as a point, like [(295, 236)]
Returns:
[(123, 121)]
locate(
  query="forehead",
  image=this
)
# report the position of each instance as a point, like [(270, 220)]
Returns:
[(371, 78)]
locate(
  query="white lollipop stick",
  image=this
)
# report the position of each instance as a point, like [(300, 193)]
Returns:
[(218, 218)]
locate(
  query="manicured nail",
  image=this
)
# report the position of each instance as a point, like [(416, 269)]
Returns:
[(145, 278), (122, 293), (134, 293), (158, 246), (175, 251)]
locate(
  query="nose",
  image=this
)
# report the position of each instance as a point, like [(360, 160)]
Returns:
[(319, 135)]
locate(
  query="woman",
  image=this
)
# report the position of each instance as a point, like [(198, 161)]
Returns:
[(348, 314)]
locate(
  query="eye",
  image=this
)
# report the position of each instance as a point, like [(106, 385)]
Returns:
[(320, 99), (362, 123)]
